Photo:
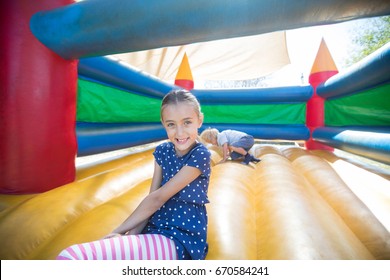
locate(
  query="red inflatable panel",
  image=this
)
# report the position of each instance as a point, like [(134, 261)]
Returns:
[(37, 105)]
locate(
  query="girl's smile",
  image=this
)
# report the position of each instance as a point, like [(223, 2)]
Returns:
[(181, 123)]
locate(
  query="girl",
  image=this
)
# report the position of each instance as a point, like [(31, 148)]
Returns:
[(171, 222)]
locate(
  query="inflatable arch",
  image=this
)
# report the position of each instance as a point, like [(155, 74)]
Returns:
[(283, 205)]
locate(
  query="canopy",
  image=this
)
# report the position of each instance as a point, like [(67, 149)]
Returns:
[(228, 59)]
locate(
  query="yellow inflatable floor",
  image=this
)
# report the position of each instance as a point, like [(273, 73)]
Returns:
[(294, 204)]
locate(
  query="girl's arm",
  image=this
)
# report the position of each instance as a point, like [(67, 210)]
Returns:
[(156, 182), (156, 198)]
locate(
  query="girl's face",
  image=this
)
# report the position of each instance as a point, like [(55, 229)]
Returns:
[(181, 122)]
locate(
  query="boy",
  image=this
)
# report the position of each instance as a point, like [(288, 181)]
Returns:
[(235, 142)]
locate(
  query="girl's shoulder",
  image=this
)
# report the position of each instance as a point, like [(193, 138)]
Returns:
[(163, 149), (200, 148), (164, 146)]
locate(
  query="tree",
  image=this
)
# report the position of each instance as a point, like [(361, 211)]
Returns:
[(369, 37)]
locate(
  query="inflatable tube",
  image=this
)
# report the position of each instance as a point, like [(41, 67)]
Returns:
[(370, 72), (123, 76), (95, 138), (40, 226), (370, 142), (336, 193), (95, 223), (264, 131), (263, 211), (293, 221), (95, 28), (369, 182), (293, 94), (232, 213)]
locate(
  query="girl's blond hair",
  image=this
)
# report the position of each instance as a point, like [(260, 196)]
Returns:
[(179, 96)]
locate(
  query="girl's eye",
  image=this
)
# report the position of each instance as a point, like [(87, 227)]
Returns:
[(170, 124), (187, 122)]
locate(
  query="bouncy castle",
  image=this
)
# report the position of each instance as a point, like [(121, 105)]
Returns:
[(62, 98)]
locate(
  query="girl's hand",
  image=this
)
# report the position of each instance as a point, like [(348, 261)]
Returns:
[(111, 235)]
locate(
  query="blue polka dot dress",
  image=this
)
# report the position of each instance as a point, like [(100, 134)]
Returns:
[(183, 218)]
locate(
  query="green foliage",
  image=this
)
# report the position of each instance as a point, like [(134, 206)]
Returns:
[(369, 37)]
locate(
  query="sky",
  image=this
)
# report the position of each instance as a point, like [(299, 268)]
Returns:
[(303, 45)]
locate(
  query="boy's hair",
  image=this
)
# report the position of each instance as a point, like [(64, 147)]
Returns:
[(177, 96), (209, 134)]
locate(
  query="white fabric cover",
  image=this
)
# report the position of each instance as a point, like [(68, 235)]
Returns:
[(239, 58)]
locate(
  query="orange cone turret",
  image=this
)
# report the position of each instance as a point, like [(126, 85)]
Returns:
[(184, 75)]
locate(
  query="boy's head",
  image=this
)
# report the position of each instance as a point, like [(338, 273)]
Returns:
[(209, 135)]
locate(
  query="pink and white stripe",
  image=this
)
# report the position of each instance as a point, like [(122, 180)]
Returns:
[(126, 247)]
